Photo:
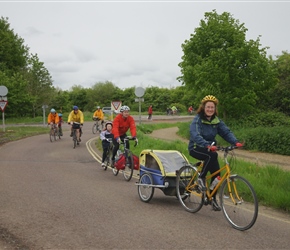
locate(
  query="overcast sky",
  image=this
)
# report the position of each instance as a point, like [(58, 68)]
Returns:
[(130, 43)]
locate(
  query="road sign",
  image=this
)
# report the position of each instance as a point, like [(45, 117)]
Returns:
[(139, 99), (116, 104), (3, 91), (139, 91), (3, 105)]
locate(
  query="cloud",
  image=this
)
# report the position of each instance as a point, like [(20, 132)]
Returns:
[(130, 43)]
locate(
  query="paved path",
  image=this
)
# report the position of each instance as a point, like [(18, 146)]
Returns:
[(257, 157)]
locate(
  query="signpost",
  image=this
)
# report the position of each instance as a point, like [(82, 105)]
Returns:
[(43, 111), (139, 92), (3, 103)]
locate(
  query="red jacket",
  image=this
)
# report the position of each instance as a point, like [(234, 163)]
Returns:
[(121, 125)]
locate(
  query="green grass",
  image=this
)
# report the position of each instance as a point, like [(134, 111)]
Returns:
[(271, 183)]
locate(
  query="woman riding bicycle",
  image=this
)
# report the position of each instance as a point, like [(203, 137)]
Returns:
[(121, 124), (203, 130)]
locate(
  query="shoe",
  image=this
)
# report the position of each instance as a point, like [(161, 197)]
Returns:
[(103, 164), (215, 205), (201, 184), (71, 134)]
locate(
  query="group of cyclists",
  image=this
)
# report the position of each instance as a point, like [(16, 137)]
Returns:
[(115, 130)]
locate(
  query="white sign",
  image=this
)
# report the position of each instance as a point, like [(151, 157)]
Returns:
[(3, 91), (3, 105), (139, 91)]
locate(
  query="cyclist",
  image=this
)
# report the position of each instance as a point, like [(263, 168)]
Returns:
[(76, 116), (104, 136), (203, 130), (60, 124), (121, 124), (99, 114), (53, 119)]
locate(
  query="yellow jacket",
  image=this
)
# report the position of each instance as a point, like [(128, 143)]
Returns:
[(99, 113), (78, 117)]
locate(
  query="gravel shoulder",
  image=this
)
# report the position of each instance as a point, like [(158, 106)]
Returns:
[(258, 158)]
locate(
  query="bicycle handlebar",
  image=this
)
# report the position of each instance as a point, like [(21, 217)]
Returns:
[(131, 138)]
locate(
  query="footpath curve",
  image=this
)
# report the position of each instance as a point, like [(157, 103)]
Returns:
[(258, 158)]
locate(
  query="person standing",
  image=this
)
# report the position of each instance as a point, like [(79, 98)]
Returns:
[(150, 111), (203, 130)]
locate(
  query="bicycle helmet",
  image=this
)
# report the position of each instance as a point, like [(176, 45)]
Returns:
[(52, 110), (60, 114), (123, 108), (75, 108), (209, 98), (98, 107), (107, 123)]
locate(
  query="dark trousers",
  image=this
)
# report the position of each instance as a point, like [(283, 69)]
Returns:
[(117, 145), (210, 159)]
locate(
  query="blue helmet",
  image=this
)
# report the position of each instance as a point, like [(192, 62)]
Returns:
[(75, 108), (59, 114)]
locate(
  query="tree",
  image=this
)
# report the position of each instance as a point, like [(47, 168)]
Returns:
[(218, 60), (281, 92)]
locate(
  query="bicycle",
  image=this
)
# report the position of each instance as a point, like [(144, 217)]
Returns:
[(74, 137), (129, 161), (96, 126), (238, 199), (53, 133), (108, 160)]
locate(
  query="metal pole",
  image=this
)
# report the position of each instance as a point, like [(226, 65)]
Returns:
[(3, 119), (43, 116), (139, 111)]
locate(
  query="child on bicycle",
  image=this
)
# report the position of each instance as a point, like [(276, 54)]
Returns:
[(203, 130), (60, 124), (105, 135), (121, 124)]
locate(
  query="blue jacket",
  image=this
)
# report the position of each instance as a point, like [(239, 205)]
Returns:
[(203, 132)]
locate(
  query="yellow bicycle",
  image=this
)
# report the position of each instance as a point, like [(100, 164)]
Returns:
[(238, 199)]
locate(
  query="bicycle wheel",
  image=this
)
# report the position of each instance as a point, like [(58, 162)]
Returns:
[(129, 167), (116, 171), (188, 192), (145, 189), (74, 139), (94, 128), (239, 202), (51, 136)]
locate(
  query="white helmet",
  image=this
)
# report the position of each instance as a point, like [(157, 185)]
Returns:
[(123, 108), (52, 110)]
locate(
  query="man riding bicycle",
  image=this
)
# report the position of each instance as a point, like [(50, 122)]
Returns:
[(76, 116), (53, 119), (99, 115), (121, 124)]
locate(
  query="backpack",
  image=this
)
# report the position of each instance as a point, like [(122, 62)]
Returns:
[(120, 163)]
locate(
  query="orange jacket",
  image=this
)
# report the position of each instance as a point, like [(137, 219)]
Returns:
[(121, 125), (54, 118)]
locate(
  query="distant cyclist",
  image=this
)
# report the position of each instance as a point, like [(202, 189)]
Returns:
[(76, 116), (60, 124), (121, 124), (99, 114), (53, 119)]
